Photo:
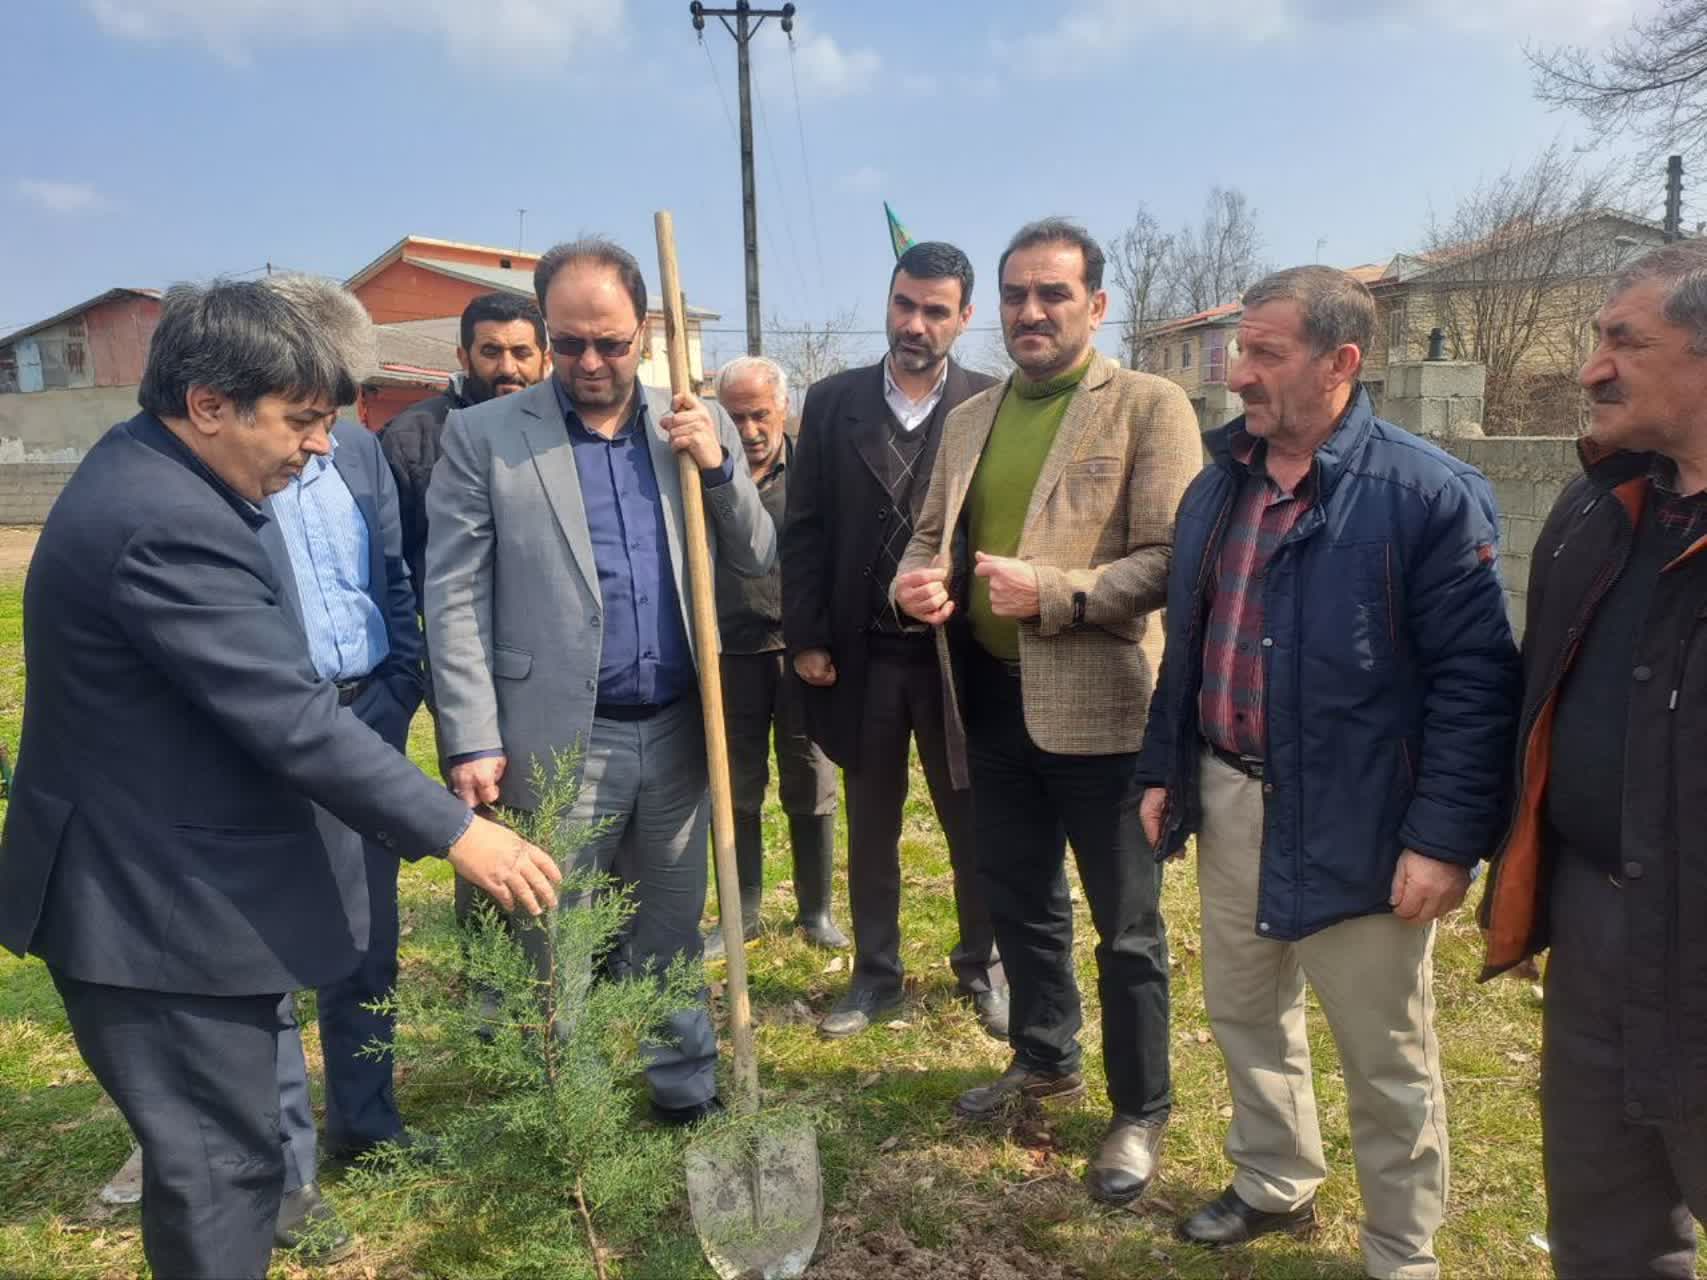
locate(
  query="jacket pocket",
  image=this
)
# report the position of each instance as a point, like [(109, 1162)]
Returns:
[(511, 664), (1375, 607)]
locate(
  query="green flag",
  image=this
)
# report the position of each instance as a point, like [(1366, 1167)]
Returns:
[(899, 240)]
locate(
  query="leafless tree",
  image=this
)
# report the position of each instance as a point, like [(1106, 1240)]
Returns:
[(987, 355), (1650, 84), (1139, 259), (808, 352), (1215, 261), (1510, 271)]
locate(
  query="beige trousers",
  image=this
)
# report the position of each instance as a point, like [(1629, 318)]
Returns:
[(1373, 977)]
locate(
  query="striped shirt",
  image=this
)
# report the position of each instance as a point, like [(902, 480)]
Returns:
[(327, 539), (1231, 707)]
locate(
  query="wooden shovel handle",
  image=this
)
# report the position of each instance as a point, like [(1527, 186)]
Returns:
[(704, 605)]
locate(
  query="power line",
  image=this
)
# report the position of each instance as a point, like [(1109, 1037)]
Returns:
[(776, 185), (735, 137), (805, 167)]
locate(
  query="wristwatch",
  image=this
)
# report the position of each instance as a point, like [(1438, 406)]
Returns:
[(1078, 609)]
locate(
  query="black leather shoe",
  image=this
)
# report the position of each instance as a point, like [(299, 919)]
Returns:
[(310, 1226), (417, 1146), (1126, 1159), (857, 1010), (1015, 1084), (681, 1117), (992, 1010), (1229, 1220)]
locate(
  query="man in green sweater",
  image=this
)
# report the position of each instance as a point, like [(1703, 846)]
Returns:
[(1045, 538)]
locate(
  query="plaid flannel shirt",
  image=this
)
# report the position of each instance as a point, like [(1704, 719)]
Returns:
[(1231, 706)]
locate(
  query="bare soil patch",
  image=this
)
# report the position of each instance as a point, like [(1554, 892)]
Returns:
[(890, 1255), (17, 545)]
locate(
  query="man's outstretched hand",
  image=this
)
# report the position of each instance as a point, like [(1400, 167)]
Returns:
[(517, 875)]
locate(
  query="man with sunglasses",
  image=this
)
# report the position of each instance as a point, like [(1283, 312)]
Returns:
[(556, 606)]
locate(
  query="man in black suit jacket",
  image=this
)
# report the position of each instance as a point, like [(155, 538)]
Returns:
[(161, 851), (868, 438)]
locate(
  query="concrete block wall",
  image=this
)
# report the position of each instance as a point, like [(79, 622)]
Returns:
[(28, 489), (1435, 397), (1528, 474)]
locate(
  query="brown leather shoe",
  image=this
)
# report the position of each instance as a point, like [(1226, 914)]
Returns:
[(1229, 1220), (1126, 1159), (1014, 1085)]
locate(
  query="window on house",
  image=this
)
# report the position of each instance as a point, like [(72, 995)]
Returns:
[(1396, 330), (1185, 355), (1167, 358)]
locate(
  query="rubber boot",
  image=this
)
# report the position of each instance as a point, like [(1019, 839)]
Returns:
[(750, 875), (814, 841)]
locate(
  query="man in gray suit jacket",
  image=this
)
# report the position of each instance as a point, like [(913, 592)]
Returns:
[(556, 606)]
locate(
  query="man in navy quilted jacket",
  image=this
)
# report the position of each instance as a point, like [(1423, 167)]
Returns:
[(1333, 720)]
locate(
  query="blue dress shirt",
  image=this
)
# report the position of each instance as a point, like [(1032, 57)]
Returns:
[(645, 658), (327, 539)]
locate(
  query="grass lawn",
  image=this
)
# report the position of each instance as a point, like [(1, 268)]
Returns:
[(909, 1191)]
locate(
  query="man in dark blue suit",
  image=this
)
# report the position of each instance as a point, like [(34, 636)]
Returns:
[(162, 851)]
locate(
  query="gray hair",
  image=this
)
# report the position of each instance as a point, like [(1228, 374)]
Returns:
[(1682, 268), (337, 313), (1338, 309), (762, 366), (249, 339)]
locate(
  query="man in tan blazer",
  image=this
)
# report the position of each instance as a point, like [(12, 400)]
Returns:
[(1042, 548)]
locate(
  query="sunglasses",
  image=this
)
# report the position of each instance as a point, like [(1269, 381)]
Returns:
[(567, 344)]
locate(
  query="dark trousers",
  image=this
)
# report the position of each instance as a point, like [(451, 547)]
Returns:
[(759, 693), (1028, 804), (361, 1108), (194, 1077), (903, 701), (1619, 1194)]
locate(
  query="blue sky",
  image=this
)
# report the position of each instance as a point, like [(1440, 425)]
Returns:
[(156, 140)]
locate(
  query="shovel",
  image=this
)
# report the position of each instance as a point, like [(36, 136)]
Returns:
[(758, 1204)]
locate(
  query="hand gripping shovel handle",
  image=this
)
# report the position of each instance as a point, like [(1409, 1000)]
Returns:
[(704, 606)]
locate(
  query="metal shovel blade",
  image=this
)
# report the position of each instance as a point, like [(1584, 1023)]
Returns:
[(758, 1206)]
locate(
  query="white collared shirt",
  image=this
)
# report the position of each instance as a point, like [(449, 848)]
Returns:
[(910, 413)]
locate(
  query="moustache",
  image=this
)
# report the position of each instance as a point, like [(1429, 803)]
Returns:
[(1254, 396), (1607, 393), (1041, 330)]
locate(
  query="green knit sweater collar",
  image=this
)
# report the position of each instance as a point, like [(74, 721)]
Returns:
[(1027, 389)]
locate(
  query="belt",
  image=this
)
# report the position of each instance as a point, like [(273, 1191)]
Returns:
[(629, 711), (350, 690), (1250, 766)]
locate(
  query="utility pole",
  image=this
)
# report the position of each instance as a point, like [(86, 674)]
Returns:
[(748, 20), (521, 222), (1674, 198)]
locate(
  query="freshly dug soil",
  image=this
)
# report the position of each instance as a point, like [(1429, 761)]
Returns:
[(890, 1255)]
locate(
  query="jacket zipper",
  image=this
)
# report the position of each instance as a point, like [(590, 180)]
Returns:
[(1609, 574), (1211, 550), (1674, 871)]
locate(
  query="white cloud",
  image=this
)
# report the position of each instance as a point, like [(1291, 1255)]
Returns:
[(864, 179), (60, 197), (535, 32), (822, 67), (1097, 30)]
